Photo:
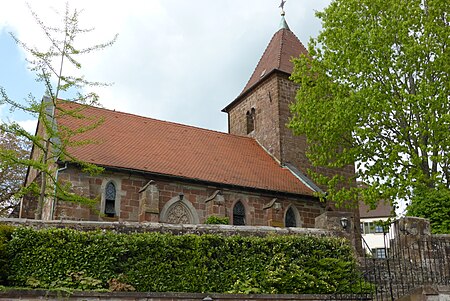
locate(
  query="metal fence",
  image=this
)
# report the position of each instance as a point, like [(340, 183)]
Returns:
[(412, 260)]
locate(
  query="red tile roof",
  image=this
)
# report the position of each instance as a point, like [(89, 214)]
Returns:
[(283, 46), (143, 144), (384, 209), (278, 55)]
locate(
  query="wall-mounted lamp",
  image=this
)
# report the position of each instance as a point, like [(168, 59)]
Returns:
[(344, 222), (181, 195)]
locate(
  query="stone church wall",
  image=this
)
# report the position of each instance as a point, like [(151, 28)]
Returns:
[(264, 100), (271, 100), (147, 198)]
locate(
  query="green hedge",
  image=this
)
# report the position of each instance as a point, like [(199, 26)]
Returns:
[(186, 263), (5, 236)]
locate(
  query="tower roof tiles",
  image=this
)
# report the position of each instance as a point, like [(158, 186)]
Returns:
[(283, 46)]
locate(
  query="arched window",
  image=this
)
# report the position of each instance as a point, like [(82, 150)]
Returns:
[(239, 214), (110, 199), (289, 218), (251, 120)]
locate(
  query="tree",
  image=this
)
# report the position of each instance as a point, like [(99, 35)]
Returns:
[(50, 67), (12, 175), (433, 204), (374, 91)]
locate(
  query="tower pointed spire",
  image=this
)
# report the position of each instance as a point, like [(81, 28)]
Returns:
[(283, 23), (277, 57)]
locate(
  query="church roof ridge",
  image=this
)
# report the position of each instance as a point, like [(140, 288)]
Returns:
[(158, 120)]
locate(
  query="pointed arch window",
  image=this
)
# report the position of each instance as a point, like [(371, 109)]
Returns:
[(239, 214), (251, 115), (289, 218), (110, 199)]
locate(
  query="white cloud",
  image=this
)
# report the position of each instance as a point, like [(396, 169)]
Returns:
[(2, 108), (29, 125)]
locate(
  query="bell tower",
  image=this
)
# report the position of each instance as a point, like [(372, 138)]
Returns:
[(261, 110)]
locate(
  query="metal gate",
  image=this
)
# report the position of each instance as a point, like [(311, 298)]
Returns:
[(412, 260)]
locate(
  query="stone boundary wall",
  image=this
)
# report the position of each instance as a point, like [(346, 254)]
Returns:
[(136, 227), (429, 293), (442, 236), (35, 295)]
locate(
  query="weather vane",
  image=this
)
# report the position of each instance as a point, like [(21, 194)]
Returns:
[(282, 6)]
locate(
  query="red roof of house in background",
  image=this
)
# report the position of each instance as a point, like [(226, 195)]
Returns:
[(384, 209), (143, 144), (283, 46)]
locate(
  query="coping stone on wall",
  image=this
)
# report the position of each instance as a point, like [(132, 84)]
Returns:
[(136, 227), (35, 295), (429, 293)]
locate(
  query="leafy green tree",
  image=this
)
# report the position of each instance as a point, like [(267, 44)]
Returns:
[(374, 91), (50, 66), (434, 205), (12, 175)]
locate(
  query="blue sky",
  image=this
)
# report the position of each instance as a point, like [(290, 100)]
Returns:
[(15, 78), (175, 60)]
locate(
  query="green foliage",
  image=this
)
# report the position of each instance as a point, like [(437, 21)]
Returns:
[(434, 205), (187, 263), (217, 220), (375, 90), (5, 236)]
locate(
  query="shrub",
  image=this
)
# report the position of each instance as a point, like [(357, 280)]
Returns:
[(217, 220), (186, 263), (5, 236)]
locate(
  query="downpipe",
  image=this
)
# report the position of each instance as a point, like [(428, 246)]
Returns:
[(52, 212)]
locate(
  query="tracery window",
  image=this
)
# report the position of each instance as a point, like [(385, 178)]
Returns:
[(239, 214), (289, 218), (110, 200), (179, 214), (178, 210)]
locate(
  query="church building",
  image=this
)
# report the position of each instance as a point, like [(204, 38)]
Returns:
[(158, 171)]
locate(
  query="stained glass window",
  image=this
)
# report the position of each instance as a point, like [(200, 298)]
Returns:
[(239, 214), (110, 200), (289, 219)]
